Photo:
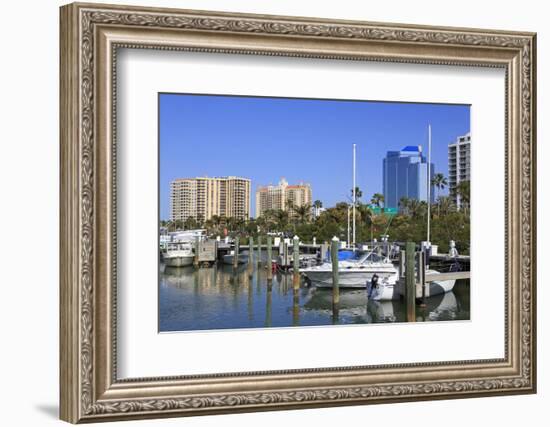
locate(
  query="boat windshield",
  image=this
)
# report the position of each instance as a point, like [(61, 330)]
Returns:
[(178, 246), (370, 257)]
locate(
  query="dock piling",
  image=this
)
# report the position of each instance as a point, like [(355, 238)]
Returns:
[(250, 250), (269, 260), (250, 256), (236, 254), (296, 263), (422, 276), (410, 281), (335, 284), (196, 248), (259, 260)]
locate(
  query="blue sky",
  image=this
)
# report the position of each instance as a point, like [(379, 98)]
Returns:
[(306, 140)]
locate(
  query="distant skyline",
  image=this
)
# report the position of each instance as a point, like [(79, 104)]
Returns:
[(302, 140)]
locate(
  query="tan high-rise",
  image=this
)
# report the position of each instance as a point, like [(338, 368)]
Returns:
[(202, 198), (282, 197), (459, 164)]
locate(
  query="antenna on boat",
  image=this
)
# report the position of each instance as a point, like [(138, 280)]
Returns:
[(429, 179), (354, 195)]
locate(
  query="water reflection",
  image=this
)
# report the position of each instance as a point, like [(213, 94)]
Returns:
[(222, 297)]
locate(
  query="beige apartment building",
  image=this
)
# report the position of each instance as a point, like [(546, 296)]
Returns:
[(204, 197), (282, 197), (459, 164)]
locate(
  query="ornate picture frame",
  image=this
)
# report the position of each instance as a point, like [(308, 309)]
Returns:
[(90, 37)]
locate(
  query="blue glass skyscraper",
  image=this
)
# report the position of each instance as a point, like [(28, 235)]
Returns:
[(406, 175)]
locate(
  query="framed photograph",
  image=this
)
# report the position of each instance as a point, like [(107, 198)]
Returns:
[(266, 212)]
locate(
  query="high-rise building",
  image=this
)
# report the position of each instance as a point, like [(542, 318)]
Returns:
[(282, 197), (459, 164), (405, 174), (203, 197)]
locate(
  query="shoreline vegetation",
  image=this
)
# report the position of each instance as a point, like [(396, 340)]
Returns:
[(448, 222)]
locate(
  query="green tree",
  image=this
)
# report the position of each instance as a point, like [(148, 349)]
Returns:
[(358, 194), (190, 223), (302, 212), (439, 182), (281, 219), (377, 200), (463, 192), (445, 205), (404, 203)]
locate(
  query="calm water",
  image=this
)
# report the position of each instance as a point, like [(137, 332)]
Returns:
[(218, 298)]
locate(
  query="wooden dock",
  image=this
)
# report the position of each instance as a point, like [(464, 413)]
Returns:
[(454, 275)]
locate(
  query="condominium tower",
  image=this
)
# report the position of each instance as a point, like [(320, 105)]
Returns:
[(282, 197), (459, 164), (202, 198), (405, 174)]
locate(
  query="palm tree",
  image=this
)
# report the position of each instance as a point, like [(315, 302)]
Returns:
[(358, 193), (303, 212), (367, 216), (377, 200), (439, 182), (190, 223), (404, 203), (281, 218), (463, 192), (317, 204), (445, 205), (417, 208)]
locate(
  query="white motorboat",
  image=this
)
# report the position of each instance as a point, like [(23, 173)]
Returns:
[(241, 259), (387, 289), (353, 273), (438, 287), (178, 254)]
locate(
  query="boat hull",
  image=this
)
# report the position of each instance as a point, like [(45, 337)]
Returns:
[(386, 290), (346, 279), (241, 259), (178, 261)]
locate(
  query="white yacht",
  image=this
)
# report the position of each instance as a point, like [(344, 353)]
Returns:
[(353, 273), (178, 254)]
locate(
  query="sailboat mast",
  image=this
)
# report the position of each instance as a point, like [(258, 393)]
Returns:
[(354, 195), (429, 179), (349, 229)]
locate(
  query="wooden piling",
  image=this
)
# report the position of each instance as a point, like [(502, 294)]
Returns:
[(285, 254), (250, 250), (236, 253), (250, 256), (269, 260), (410, 281), (268, 306), (259, 260), (401, 264), (296, 263), (335, 284), (295, 308), (196, 249), (422, 276)]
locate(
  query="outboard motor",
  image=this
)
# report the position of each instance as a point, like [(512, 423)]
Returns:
[(373, 284)]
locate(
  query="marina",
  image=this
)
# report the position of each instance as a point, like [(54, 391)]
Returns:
[(249, 286), (219, 297)]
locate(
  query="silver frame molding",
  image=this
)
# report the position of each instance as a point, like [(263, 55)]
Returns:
[(90, 37)]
